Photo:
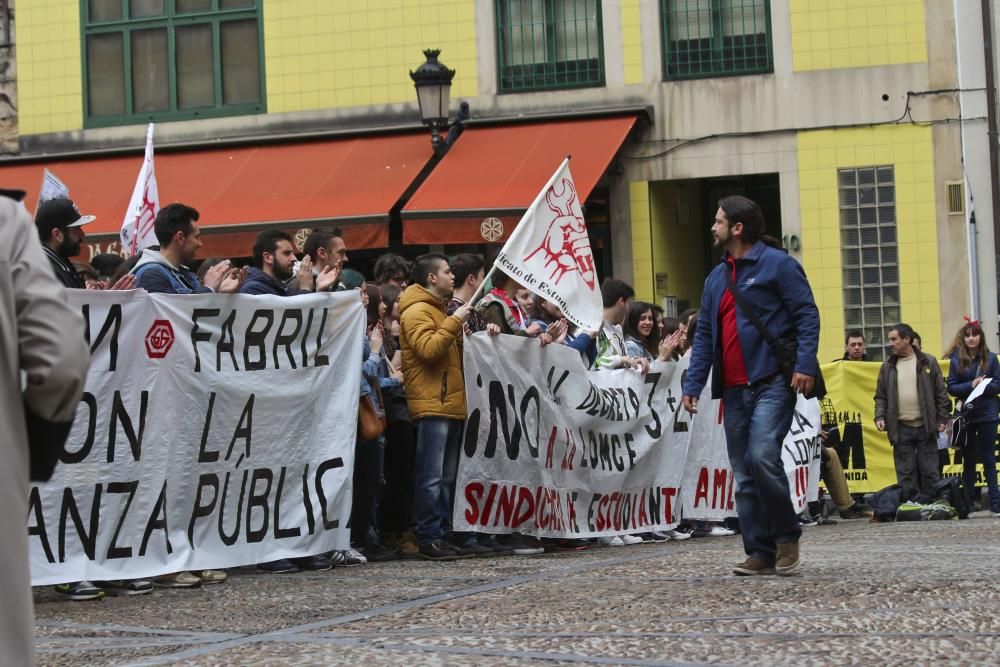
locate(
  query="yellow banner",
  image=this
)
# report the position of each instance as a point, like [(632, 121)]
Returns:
[(864, 451)]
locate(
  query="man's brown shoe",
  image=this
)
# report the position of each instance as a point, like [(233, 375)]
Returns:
[(753, 566), (788, 558)]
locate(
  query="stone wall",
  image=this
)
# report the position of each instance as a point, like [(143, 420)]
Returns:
[(8, 80)]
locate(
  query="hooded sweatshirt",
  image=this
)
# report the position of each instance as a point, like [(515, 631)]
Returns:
[(155, 274), (430, 342)]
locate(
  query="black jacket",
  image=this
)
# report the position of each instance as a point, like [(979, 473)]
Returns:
[(64, 271)]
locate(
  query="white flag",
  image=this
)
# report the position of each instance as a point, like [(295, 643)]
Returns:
[(137, 228), (549, 252), (52, 188)]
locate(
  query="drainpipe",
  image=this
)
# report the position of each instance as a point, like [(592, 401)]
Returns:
[(971, 241), (992, 134)]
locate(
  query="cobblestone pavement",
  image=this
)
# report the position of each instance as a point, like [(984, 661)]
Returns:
[(868, 594)]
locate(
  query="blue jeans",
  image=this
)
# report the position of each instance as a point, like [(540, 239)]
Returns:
[(756, 419), (438, 443), (981, 449)]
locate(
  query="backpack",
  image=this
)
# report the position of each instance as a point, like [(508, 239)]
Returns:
[(885, 502), (951, 490), (939, 510)]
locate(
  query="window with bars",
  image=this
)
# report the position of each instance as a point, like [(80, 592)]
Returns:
[(705, 38), (153, 60), (869, 253), (549, 44)]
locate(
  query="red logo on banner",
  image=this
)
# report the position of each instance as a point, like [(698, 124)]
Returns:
[(566, 245), (159, 339)]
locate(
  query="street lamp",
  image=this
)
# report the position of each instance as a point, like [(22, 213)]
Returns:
[(433, 83)]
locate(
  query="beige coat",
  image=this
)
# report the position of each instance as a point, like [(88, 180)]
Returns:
[(41, 343)]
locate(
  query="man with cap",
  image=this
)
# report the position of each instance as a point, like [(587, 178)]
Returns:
[(60, 228)]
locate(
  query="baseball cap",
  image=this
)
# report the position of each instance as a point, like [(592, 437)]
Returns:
[(59, 214)]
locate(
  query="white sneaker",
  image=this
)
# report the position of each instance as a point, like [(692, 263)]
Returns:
[(354, 557), (677, 535), (629, 540), (610, 541), (720, 531)]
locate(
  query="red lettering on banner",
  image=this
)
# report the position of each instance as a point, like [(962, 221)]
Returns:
[(567, 463), (505, 512), (732, 485), (643, 515), (540, 501), (719, 487), (488, 507), (617, 499), (525, 507), (668, 498), (701, 489), (473, 491)]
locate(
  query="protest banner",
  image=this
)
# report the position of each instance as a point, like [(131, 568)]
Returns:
[(554, 450), (214, 431), (51, 188), (549, 252), (137, 227), (848, 414)]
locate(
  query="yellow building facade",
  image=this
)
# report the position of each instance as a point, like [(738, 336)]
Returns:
[(831, 94)]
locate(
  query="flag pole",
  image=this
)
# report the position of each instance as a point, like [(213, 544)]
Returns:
[(538, 198)]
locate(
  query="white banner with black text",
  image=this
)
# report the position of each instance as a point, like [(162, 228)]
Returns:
[(214, 431), (554, 450)]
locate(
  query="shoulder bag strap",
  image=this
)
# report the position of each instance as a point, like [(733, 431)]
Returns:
[(748, 309)]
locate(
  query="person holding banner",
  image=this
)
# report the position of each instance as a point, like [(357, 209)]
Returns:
[(971, 365), (431, 346), (757, 397), (41, 382)]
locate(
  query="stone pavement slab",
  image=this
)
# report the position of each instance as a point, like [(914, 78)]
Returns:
[(867, 594)]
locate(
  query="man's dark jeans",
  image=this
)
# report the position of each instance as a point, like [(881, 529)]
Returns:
[(981, 448), (915, 454), (438, 443), (756, 419)]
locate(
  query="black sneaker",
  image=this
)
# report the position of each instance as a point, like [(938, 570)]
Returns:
[(317, 563), (806, 521), (571, 545), (125, 586), (79, 590), (472, 549), (855, 511), (283, 566), (379, 553), (438, 551), (498, 549)]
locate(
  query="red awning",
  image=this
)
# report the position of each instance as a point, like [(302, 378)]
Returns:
[(240, 191), (492, 174)]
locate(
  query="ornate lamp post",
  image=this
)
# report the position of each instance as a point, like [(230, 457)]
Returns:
[(433, 83)]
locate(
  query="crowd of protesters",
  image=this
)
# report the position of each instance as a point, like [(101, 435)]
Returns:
[(417, 315)]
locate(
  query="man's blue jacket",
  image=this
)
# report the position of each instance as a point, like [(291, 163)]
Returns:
[(776, 287)]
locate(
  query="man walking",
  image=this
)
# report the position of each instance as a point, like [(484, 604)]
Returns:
[(912, 404), (44, 364), (431, 346), (758, 400)]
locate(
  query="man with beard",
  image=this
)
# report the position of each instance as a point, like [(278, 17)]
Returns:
[(60, 228), (166, 270), (274, 264), (757, 399)]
